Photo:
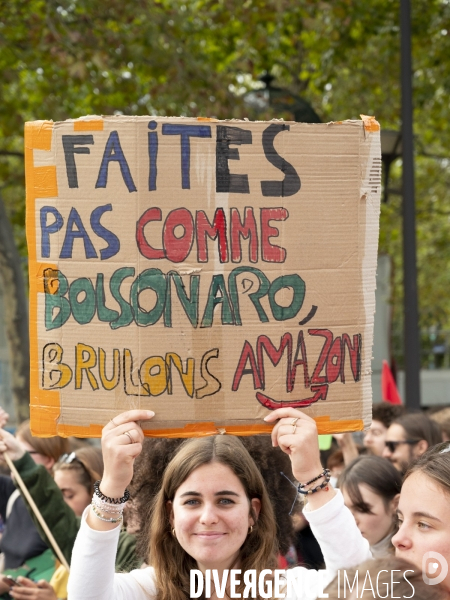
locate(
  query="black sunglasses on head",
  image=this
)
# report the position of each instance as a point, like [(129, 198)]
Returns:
[(392, 446)]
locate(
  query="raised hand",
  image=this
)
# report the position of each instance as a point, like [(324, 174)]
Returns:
[(296, 434), (10, 444), (122, 441)]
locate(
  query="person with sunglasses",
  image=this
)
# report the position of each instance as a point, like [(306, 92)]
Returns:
[(383, 414), (408, 438)]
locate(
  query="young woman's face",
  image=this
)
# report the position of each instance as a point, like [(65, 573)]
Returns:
[(424, 519), (75, 494), (211, 516), (375, 525)]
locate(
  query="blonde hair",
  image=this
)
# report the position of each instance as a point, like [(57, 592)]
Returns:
[(53, 447), (171, 562)]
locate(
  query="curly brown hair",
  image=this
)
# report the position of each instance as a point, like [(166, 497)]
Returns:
[(156, 455), (386, 413)]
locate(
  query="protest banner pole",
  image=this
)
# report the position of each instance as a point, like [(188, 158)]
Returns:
[(36, 511)]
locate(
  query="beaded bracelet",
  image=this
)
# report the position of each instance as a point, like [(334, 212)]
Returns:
[(102, 518), (100, 494), (327, 476), (107, 508), (325, 473)]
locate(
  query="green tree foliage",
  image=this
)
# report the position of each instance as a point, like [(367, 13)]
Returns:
[(67, 58)]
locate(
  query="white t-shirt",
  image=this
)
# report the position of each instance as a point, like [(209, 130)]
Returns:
[(92, 575)]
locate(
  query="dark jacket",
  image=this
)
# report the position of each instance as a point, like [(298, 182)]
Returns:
[(20, 540)]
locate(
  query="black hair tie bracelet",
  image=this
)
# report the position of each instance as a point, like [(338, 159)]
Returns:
[(101, 495)]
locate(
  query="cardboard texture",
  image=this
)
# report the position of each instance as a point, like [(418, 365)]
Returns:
[(208, 270)]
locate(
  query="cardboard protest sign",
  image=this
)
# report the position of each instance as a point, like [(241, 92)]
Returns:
[(208, 270)]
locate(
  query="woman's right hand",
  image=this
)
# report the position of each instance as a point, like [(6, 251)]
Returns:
[(10, 444), (30, 590), (122, 441)]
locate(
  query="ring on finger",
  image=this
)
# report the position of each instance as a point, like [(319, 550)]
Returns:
[(129, 436), (112, 421)]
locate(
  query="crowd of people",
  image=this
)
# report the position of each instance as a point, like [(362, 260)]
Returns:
[(135, 518)]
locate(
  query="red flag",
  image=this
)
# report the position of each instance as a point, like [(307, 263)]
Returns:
[(389, 391)]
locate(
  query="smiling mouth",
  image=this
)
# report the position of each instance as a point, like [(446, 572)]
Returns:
[(209, 534)]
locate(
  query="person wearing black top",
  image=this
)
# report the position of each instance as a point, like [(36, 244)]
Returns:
[(20, 540)]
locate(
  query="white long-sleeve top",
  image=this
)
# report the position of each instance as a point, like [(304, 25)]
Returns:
[(92, 575)]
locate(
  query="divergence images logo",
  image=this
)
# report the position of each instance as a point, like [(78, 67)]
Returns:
[(430, 564)]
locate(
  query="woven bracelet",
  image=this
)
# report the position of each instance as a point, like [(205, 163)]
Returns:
[(100, 494), (106, 520)]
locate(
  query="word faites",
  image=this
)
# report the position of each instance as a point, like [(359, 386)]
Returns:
[(226, 137)]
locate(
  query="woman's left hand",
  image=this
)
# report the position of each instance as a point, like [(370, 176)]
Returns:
[(10, 444), (296, 434), (30, 590)]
